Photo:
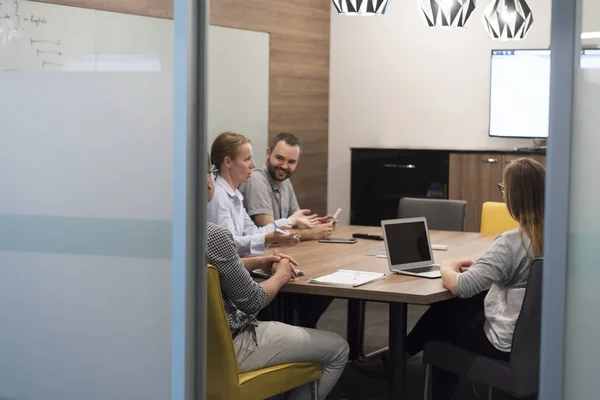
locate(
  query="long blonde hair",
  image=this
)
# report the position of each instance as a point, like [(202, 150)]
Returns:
[(524, 193)]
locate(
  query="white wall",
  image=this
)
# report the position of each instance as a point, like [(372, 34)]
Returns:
[(397, 83)]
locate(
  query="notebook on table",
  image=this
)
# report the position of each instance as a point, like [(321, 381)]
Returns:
[(347, 277)]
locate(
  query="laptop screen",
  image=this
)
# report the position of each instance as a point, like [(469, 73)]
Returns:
[(407, 242)]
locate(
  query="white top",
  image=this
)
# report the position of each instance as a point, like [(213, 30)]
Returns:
[(226, 210)]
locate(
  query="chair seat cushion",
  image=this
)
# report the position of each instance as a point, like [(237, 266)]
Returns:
[(459, 361), (270, 381)]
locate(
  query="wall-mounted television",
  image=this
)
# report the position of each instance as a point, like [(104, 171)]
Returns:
[(520, 91)]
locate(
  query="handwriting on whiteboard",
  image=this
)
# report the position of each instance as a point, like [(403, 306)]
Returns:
[(16, 23)]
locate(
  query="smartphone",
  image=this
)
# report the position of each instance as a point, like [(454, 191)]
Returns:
[(345, 241), (259, 273), (336, 215)]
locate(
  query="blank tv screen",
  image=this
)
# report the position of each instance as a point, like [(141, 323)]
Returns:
[(520, 91)]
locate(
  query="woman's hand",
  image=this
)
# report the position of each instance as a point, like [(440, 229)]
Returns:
[(460, 265), (286, 239)]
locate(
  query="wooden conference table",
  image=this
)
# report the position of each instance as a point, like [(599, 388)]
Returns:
[(317, 259)]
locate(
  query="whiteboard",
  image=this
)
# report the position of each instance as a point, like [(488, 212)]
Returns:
[(39, 36), (45, 37), (87, 135), (238, 86)]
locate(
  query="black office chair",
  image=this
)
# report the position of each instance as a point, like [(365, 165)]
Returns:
[(519, 376), (442, 215), (446, 215)]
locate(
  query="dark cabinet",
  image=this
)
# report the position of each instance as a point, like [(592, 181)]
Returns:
[(381, 177)]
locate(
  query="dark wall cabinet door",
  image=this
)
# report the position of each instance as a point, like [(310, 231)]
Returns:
[(381, 177)]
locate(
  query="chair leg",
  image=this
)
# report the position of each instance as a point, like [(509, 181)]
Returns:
[(490, 392), (428, 383), (315, 390)]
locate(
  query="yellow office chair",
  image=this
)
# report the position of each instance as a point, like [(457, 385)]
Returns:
[(495, 218), (223, 380)]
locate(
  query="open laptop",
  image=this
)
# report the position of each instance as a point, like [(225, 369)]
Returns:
[(408, 247)]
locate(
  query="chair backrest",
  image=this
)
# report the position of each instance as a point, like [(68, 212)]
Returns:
[(495, 218), (525, 354), (221, 372), (443, 215)]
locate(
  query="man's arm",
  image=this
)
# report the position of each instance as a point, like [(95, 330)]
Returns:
[(321, 231), (263, 219), (252, 263), (283, 272), (247, 295)]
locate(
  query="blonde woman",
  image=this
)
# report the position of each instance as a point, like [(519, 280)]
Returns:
[(231, 153), (490, 290)]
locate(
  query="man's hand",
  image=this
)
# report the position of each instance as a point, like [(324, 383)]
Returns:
[(303, 219), (268, 261), (284, 270), (328, 219), (322, 231)]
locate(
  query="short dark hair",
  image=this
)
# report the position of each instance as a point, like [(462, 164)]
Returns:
[(289, 138)]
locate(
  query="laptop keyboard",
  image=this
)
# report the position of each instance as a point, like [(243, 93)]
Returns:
[(420, 270)]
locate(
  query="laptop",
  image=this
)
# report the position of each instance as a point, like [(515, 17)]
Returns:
[(408, 247)]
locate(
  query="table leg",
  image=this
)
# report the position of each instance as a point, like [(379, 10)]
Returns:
[(355, 328), (397, 348)]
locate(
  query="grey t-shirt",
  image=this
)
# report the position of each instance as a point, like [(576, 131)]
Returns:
[(263, 195), (504, 270)]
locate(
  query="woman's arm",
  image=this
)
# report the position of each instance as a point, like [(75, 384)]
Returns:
[(220, 211), (495, 266), (450, 271)]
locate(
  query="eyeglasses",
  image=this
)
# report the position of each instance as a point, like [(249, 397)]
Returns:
[(213, 172), (501, 187)]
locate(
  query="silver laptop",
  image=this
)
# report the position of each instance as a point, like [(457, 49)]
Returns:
[(408, 247)]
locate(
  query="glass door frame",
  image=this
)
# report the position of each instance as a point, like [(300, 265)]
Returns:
[(188, 341), (566, 49)]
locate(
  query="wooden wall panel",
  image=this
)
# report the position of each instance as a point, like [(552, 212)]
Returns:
[(299, 79), (299, 71), (150, 8)]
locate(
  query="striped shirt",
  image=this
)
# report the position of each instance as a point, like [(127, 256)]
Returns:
[(243, 298)]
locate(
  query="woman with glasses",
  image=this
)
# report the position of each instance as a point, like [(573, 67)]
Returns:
[(489, 291), (231, 153)]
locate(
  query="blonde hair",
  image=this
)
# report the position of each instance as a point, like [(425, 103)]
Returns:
[(524, 193), (226, 144)]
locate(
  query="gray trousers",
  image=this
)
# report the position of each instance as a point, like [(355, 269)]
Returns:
[(278, 343)]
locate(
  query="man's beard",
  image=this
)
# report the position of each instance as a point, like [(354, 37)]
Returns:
[(272, 171)]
